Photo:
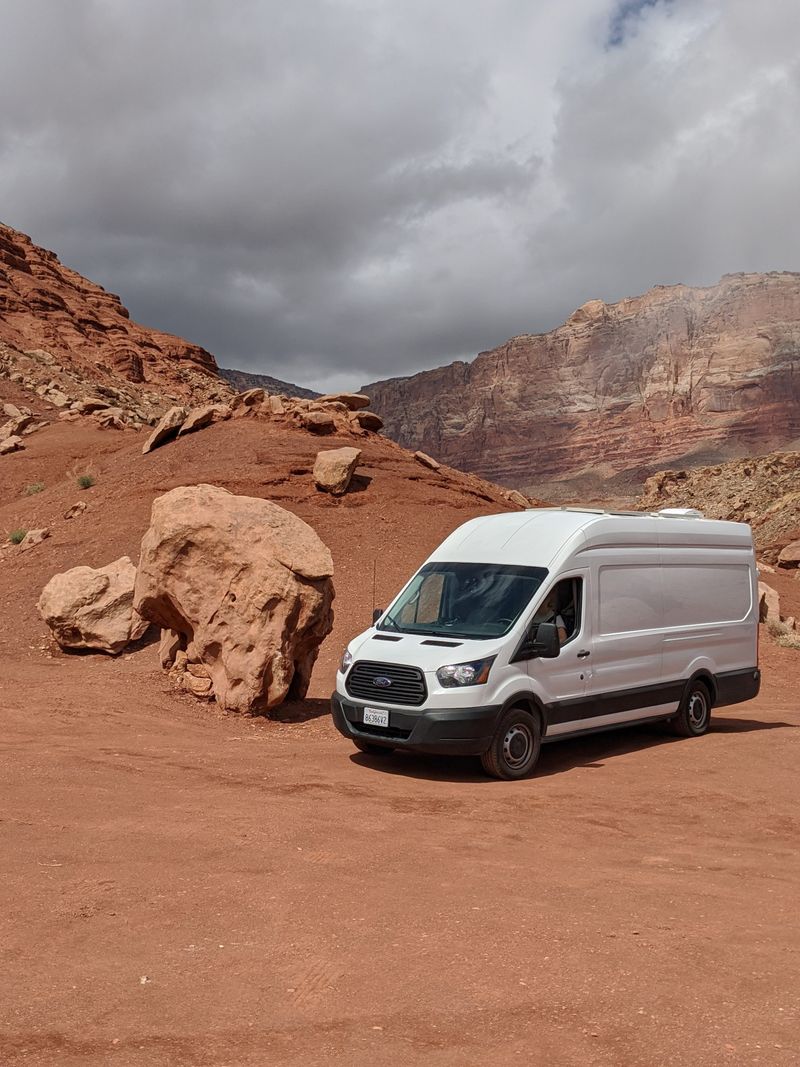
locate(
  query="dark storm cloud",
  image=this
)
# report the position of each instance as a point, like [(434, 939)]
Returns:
[(338, 191)]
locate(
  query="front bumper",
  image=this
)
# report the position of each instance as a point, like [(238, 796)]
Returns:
[(447, 732)]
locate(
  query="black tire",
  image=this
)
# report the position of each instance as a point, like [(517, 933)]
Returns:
[(694, 714), (515, 746), (372, 750)]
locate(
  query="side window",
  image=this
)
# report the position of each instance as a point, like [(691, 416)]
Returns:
[(630, 598), (563, 605)]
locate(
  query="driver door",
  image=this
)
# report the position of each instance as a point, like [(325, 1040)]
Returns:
[(562, 683)]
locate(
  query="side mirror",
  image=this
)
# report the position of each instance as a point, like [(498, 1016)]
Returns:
[(376, 614), (546, 645)]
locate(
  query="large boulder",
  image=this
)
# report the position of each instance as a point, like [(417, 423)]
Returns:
[(246, 589), (166, 429), (368, 420), (351, 401), (318, 422), (790, 555), (93, 608), (334, 468), (245, 402), (515, 497), (33, 538), (11, 444), (199, 418), (15, 426), (427, 461), (769, 604)]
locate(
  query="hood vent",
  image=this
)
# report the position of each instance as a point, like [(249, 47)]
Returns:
[(442, 644), (385, 637)]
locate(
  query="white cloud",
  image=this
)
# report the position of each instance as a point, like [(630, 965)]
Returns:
[(343, 190)]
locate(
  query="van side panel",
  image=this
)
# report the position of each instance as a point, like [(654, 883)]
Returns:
[(660, 615), (710, 612)]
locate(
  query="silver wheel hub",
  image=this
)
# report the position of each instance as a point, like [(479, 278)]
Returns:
[(697, 710), (517, 745)]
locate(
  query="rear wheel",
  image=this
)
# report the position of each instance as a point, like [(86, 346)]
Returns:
[(372, 750), (694, 714), (515, 746)]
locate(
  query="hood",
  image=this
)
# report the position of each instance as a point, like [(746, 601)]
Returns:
[(418, 650)]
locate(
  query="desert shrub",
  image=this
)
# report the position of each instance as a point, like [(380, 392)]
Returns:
[(85, 481), (34, 487), (16, 536), (784, 636)]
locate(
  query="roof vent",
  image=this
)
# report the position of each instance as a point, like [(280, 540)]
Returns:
[(681, 513)]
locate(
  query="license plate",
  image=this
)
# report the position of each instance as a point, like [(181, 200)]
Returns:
[(375, 717)]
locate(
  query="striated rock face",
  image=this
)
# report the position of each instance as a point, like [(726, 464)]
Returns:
[(46, 306), (679, 376), (244, 587)]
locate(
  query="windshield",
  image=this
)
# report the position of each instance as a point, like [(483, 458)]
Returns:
[(470, 600)]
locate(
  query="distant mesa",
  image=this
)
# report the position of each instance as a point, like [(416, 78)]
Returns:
[(242, 380)]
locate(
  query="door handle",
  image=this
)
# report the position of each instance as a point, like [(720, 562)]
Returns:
[(583, 654)]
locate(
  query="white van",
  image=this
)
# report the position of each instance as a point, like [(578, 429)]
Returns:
[(533, 626)]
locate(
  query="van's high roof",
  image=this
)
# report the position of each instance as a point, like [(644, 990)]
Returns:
[(536, 536)]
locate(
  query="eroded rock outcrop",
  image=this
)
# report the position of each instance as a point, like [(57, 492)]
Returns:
[(246, 589), (45, 305), (763, 491), (89, 607)]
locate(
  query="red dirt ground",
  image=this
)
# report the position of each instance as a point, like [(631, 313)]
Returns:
[(185, 888)]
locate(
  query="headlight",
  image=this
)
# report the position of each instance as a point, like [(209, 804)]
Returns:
[(474, 673), (347, 659)]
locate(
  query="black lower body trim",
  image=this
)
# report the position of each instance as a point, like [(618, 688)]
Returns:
[(596, 704), (448, 732), (733, 687)]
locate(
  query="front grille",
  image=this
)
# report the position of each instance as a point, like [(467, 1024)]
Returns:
[(408, 683)]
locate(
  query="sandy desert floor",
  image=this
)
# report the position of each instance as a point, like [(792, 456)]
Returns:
[(182, 888)]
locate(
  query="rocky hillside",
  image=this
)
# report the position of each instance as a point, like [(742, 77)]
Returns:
[(763, 491), (241, 380), (678, 376), (395, 511), (54, 321)]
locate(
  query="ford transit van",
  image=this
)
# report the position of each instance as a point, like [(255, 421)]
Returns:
[(534, 626)]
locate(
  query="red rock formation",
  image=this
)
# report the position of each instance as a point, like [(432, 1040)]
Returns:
[(763, 491), (678, 376), (45, 305)]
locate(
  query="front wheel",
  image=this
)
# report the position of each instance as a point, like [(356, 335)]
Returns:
[(694, 714), (515, 746)]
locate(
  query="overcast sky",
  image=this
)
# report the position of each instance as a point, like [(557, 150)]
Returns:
[(335, 192)]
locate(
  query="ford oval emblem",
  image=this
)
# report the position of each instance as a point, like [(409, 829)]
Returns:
[(382, 681)]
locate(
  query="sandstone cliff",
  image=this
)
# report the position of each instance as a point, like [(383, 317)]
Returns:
[(45, 306), (678, 376)]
